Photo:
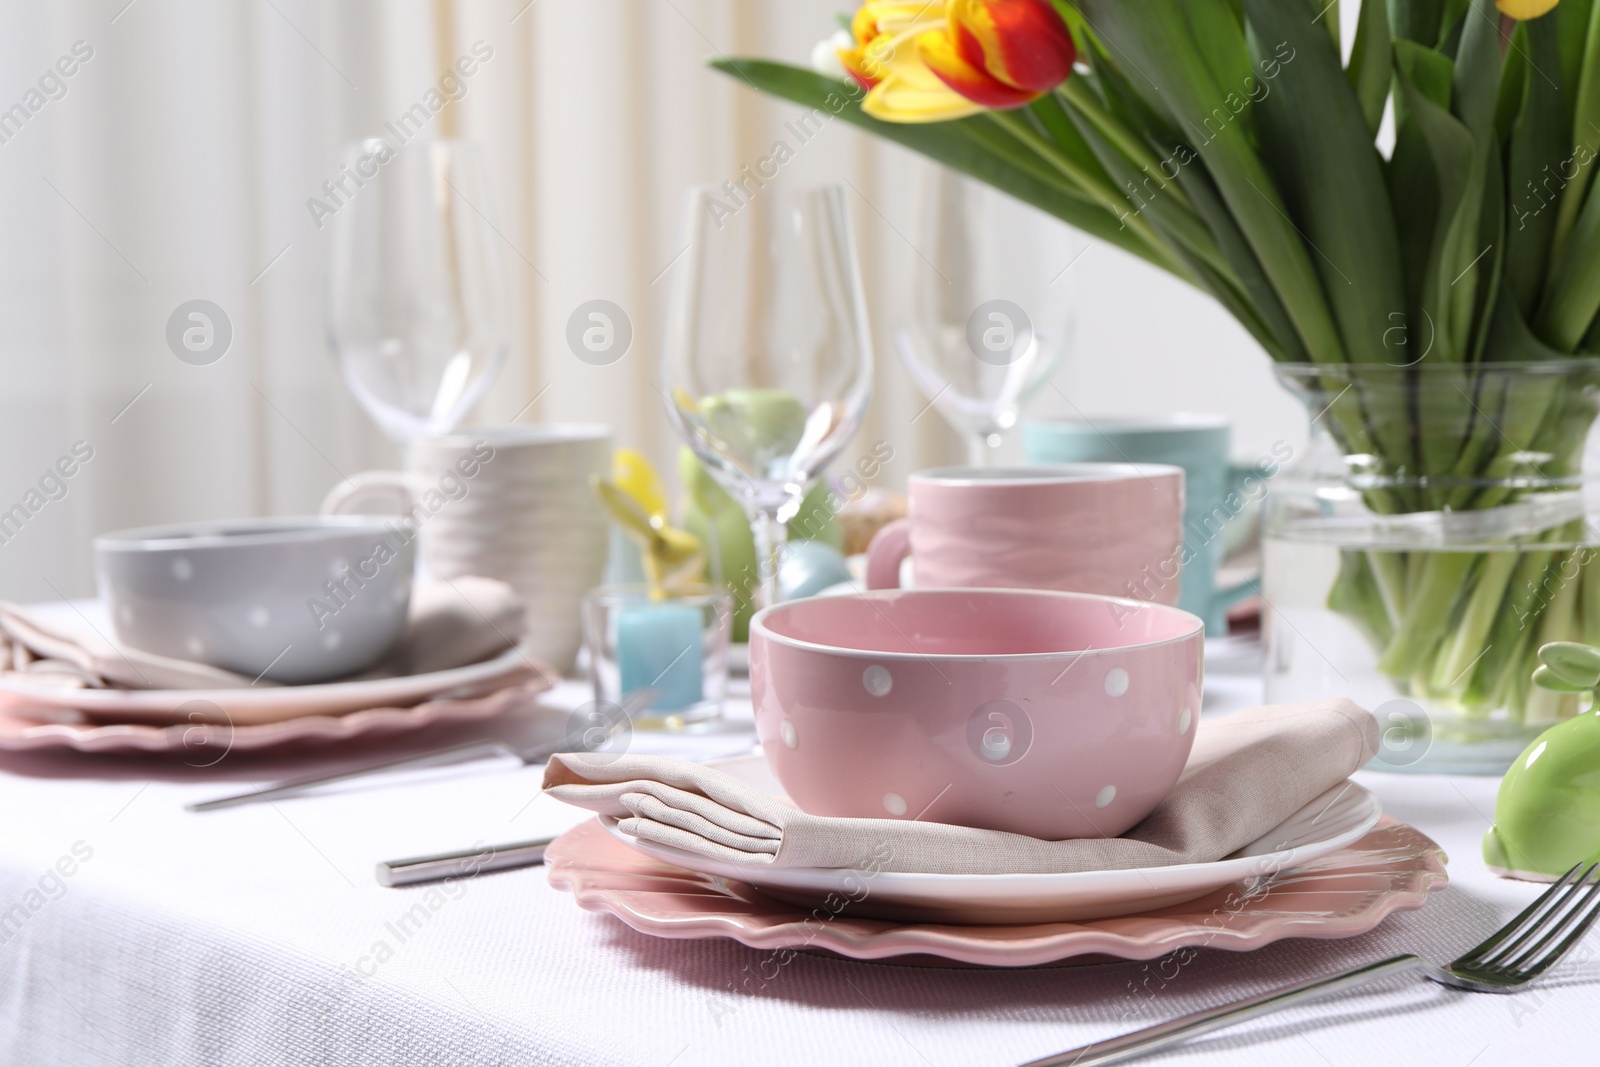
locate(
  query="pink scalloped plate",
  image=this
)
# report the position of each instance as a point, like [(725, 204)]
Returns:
[(1393, 868), (19, 731)]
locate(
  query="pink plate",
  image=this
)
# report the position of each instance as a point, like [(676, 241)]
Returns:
[(1343, 894), (19, 730)]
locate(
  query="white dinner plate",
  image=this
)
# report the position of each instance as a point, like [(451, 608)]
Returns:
[(1337, 818)]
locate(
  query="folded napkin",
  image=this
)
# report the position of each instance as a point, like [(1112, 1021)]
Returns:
[(450, 624), (1247, 773)]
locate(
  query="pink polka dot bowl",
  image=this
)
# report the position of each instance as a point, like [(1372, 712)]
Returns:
[(1055, 715)]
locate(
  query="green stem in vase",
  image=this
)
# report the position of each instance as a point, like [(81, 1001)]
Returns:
[(1512, 633), (1443, 405), (1467, 643), (1517, 681), (1483, 443), (1525, 411), (1357, 596), (1589, 596), (1389, 571), (1441, 578), (1560, 622)]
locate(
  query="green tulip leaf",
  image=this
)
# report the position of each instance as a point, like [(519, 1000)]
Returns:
[(1540, 143), (1158, 41), (957, 145), (1319, 146), (1370, 61)]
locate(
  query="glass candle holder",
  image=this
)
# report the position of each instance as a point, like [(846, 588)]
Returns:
[(677, 646)]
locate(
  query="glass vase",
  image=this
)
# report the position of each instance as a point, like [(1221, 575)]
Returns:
[(1439, 528)]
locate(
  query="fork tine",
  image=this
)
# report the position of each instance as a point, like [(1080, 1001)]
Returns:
[(1580, 913), (1549, 924), (1552, 916), (1475, 955), (1562, 949)]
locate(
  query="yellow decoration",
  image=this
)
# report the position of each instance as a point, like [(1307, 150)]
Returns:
[(634, 475), (674, 560)]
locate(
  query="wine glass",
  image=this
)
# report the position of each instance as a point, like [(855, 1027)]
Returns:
[(990, 306), (417, 307), (768, 357)]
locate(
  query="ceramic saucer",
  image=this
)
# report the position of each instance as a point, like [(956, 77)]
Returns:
[(1329, 823), (1348, 892)]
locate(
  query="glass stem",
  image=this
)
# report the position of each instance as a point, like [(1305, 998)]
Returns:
[(771, 534)]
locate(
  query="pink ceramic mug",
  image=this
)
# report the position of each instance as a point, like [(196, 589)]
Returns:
[(1054, 715), (1104, 528)]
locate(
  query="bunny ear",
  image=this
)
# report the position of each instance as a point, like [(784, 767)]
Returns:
[(1546, 678), (625, 511), (1575, 666), (676, 562), (634, 475)]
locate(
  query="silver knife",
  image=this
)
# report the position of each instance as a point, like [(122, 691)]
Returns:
[(475, 750), (465, 864), (635, 701)]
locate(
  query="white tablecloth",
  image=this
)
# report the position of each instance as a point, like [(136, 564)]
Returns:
[(258, 935)]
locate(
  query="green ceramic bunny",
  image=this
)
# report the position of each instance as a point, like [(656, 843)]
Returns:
[(1547, 817), (715, 517)]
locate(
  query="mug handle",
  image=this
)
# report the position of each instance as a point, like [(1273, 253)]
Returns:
[(1223, 599), (890, 546), (358, 489)]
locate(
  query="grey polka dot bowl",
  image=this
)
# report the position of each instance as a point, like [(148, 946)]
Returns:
[(1055, 715), (294, 601)]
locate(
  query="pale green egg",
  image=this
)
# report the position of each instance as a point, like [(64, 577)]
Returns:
[(714, 516)]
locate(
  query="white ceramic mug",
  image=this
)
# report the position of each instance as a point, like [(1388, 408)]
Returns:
[(508, 502)]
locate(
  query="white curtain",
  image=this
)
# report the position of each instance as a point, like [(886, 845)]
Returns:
[(176, 163)]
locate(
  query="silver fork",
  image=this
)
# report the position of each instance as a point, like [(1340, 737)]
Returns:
[(1513, 956)]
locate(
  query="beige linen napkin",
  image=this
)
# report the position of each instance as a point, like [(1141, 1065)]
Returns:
[(450, 624), (1248, 772)]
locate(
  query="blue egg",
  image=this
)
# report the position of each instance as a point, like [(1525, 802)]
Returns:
[(809, 567)]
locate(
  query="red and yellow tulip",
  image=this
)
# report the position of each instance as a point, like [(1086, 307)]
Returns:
[(923, 61)]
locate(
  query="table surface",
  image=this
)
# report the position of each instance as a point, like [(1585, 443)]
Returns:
[(258, 935)]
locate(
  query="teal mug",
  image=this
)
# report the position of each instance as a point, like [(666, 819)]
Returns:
[(1216, 491)]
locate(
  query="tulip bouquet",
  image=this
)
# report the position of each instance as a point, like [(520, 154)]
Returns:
[(1433, 299)]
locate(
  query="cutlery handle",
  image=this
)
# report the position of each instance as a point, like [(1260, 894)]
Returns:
[(465, 864), (1128, 1046)]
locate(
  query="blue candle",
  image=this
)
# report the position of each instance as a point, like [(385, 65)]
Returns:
[(624, 561), (658, 645)]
